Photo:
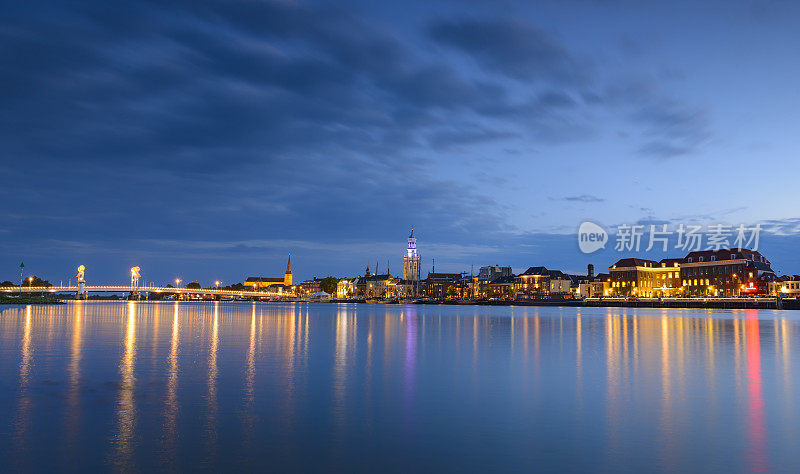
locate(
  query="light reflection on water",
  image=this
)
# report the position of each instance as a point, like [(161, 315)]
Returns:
[(271, 386)]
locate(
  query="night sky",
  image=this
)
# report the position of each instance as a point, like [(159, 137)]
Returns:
[(207, 140)]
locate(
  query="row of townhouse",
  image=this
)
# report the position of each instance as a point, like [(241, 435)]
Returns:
[(491, 282)]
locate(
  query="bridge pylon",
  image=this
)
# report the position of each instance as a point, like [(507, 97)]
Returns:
[(81, 293), (135, 274)]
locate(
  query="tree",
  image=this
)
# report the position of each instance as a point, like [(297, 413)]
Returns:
[(193, 286), (7, 283), (36, 281), (328, 284)]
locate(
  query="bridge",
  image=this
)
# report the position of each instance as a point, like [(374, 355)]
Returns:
[(81, 290), (142, 289)]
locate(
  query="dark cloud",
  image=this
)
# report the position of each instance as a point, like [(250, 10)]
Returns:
[(668, 127), (510, 47), (467, 135), (279, 122), (671, 129), (585, 198)]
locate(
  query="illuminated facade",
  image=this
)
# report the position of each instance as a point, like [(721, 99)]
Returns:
[(645, 278), (411, 260), (539, 281), (264, 282), (726, 272), (345, 288), (785, 286)]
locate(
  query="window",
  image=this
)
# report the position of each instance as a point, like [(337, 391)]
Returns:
[(713, 258), (689, 259), (699, 259), (733, 256)]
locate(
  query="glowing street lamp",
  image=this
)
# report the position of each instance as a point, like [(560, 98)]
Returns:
[(216, 283), (30, 281), (177, 283)]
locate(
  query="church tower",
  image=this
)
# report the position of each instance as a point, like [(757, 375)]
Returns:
[(411, 260), (287, 277)]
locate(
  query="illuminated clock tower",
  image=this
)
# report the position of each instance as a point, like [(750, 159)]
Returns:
[(411, 260)]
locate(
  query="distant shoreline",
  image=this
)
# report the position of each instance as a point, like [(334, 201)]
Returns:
[(30, 300), (667, 303)]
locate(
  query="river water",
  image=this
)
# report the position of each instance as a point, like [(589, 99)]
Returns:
[(309, 387)]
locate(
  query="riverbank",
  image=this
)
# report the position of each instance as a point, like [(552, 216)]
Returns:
[(29, 299), (693, 303)]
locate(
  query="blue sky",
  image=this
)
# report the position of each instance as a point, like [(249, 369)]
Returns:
[(207, 140)]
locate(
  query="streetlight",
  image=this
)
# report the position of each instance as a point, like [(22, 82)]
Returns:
[(30, 281), (217, 284), (177, 283)]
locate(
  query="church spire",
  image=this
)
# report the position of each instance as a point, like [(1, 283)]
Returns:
[(287, 277)]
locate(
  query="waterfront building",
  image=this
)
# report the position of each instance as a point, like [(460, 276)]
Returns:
[(493, 272), (405, 288), (309, 287), (501, 287), (265, 282), (443, 285), (379, 286), (595, 287), (535, 281), (786, 285), (562, 284), (726, 272), (539, 281), (645, 278), (373, 286), (345, 288)]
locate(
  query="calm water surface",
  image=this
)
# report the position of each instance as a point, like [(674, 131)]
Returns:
[(177, 386)]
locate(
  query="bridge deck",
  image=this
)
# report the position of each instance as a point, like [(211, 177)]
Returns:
[(141, 289)]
